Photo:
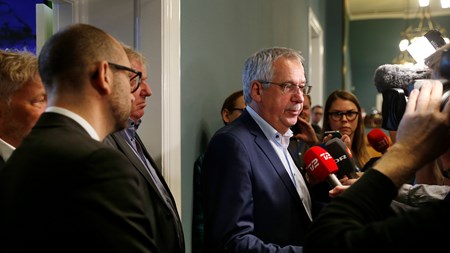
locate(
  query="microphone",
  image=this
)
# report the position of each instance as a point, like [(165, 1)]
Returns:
[(378, 140), (395, 82), (343, 158), (389, 76), (321, 166)]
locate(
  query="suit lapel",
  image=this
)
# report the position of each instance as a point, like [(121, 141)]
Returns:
[(133, 158), (265, 147), (2, 163)]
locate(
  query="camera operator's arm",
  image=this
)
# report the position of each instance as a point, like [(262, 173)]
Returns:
[(351, 221), (422, 136)]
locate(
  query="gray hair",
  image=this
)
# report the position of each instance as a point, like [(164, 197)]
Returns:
[(16, 68), (259, 66)]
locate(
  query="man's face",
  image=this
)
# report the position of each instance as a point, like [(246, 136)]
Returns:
[(27, 104), (317, 114), (239, 106), (121, 98), (144, 91), (281, 109)]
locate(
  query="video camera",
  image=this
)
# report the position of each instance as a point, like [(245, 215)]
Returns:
[(395, 82)]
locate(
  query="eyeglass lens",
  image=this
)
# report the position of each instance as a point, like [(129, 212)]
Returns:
[(350, 115)]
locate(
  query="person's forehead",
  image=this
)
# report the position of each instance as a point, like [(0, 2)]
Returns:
[(288, 67), (343, 103)]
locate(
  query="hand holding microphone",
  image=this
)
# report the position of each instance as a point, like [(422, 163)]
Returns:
[(343, 158), (380, 142), (320, 165)]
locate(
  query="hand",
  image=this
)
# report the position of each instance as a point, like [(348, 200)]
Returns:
[(345, 138), (348, 181), (338, 190), (423, 134), (307, 133), (424, 129)]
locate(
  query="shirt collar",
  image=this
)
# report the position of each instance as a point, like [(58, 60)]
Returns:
[(269, 131), (132, 128), (5, 150), (88, 127)]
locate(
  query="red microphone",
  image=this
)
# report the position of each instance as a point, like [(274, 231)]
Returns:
[(378, 140), (321, 166)]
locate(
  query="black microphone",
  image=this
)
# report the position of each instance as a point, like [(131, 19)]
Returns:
[(343, 158), (390, 76)]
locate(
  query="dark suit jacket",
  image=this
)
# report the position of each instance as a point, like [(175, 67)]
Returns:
[(2, 163), (165, 226), (251, 204), (62, 191)]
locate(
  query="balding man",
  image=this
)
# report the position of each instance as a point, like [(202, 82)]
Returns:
[(63, 190)]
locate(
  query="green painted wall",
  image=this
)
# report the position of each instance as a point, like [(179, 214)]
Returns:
[(373, 43)]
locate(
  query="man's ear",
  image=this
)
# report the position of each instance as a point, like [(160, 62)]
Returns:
[(226, 115), (255, 91), (102, 78)]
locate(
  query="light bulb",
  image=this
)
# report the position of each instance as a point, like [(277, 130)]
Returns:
[(445, 3), (403, 44)]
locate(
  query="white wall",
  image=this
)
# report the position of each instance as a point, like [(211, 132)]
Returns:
[(158, 40)]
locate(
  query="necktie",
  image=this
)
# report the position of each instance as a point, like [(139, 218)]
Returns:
[(153, 174)]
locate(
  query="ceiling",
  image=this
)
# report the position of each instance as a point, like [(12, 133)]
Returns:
[(380, 9)]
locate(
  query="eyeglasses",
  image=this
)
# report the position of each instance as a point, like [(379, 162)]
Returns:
[(135, 80), (289, 88), (350, 115), (236, 109)]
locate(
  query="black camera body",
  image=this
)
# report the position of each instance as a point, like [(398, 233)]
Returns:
[(401, 81)]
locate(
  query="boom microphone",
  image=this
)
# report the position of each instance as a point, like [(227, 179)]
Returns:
[(395, 82), (343, 158), (321, 166), (389, 76), (378, 140)]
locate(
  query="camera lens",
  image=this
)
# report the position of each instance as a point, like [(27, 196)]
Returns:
[(444, 66), (445, 94)]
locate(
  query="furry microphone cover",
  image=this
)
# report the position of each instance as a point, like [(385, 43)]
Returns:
[(390, 76)]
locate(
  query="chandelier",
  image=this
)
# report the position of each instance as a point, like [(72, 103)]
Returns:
[(412, 33)]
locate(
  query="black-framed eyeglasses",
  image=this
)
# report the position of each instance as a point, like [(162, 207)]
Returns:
[(236, 109), (290, 88), (350, 115), (135, 80)]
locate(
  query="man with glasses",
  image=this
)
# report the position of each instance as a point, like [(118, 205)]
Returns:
[(255, 198), (62, 189), (158, 203)]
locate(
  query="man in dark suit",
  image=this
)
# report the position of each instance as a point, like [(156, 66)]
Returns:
[(63, 190), (159, 204), (22, 99), (255, 198)]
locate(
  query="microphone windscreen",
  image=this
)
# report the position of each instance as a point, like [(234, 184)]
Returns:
[(343, 158), (390, 76), (319, 163), (378, 140)]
